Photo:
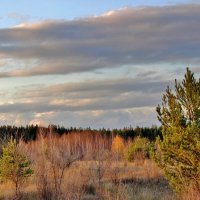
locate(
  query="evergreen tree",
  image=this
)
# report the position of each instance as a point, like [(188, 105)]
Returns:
[(14, 166), (179, 149)]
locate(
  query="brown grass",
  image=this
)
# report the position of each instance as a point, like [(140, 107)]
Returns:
[(190, 194), (95, 174), (136, 181)]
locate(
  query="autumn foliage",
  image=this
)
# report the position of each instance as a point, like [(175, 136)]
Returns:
[(118, 145)]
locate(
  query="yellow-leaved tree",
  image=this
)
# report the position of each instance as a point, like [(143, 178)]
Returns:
[(118, 145)]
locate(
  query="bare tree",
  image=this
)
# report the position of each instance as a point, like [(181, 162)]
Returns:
[(56, 155)]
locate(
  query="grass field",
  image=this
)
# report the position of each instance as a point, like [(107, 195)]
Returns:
[(85, 167), (121, 180)]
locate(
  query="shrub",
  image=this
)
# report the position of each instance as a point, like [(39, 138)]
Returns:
[(138, 149)]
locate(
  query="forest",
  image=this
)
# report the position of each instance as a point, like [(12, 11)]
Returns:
[(31, 132)]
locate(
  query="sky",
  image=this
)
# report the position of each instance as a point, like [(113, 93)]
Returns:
[(93, 63)]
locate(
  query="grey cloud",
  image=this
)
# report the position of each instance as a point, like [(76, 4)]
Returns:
[(99, 95), (196, 69), (95, 88), (128, 37), (98, 104)]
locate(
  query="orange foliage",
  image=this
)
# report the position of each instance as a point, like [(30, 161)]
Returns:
[(118, 145)]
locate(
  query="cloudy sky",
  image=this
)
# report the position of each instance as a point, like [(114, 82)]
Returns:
[(93, 63)]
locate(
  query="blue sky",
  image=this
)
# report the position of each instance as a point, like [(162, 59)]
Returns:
[(93, 63)]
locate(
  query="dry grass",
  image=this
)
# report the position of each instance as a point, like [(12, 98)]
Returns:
[(96, 176), (6, 190), (190, 194), (135, 182)]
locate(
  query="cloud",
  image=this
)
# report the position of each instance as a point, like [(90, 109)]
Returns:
[(93, 95), (95, 88), (130, 56), (95, 119), (131, 36)]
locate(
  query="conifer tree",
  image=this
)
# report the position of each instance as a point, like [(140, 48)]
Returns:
[(14, 166), (179, 149)]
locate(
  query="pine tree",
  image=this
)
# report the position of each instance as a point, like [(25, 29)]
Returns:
[(179, 149), (14, 166)]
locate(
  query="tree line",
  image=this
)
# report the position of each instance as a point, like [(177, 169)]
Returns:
[(30, 132)]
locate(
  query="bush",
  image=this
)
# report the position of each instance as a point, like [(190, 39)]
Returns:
[(139, 149)]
